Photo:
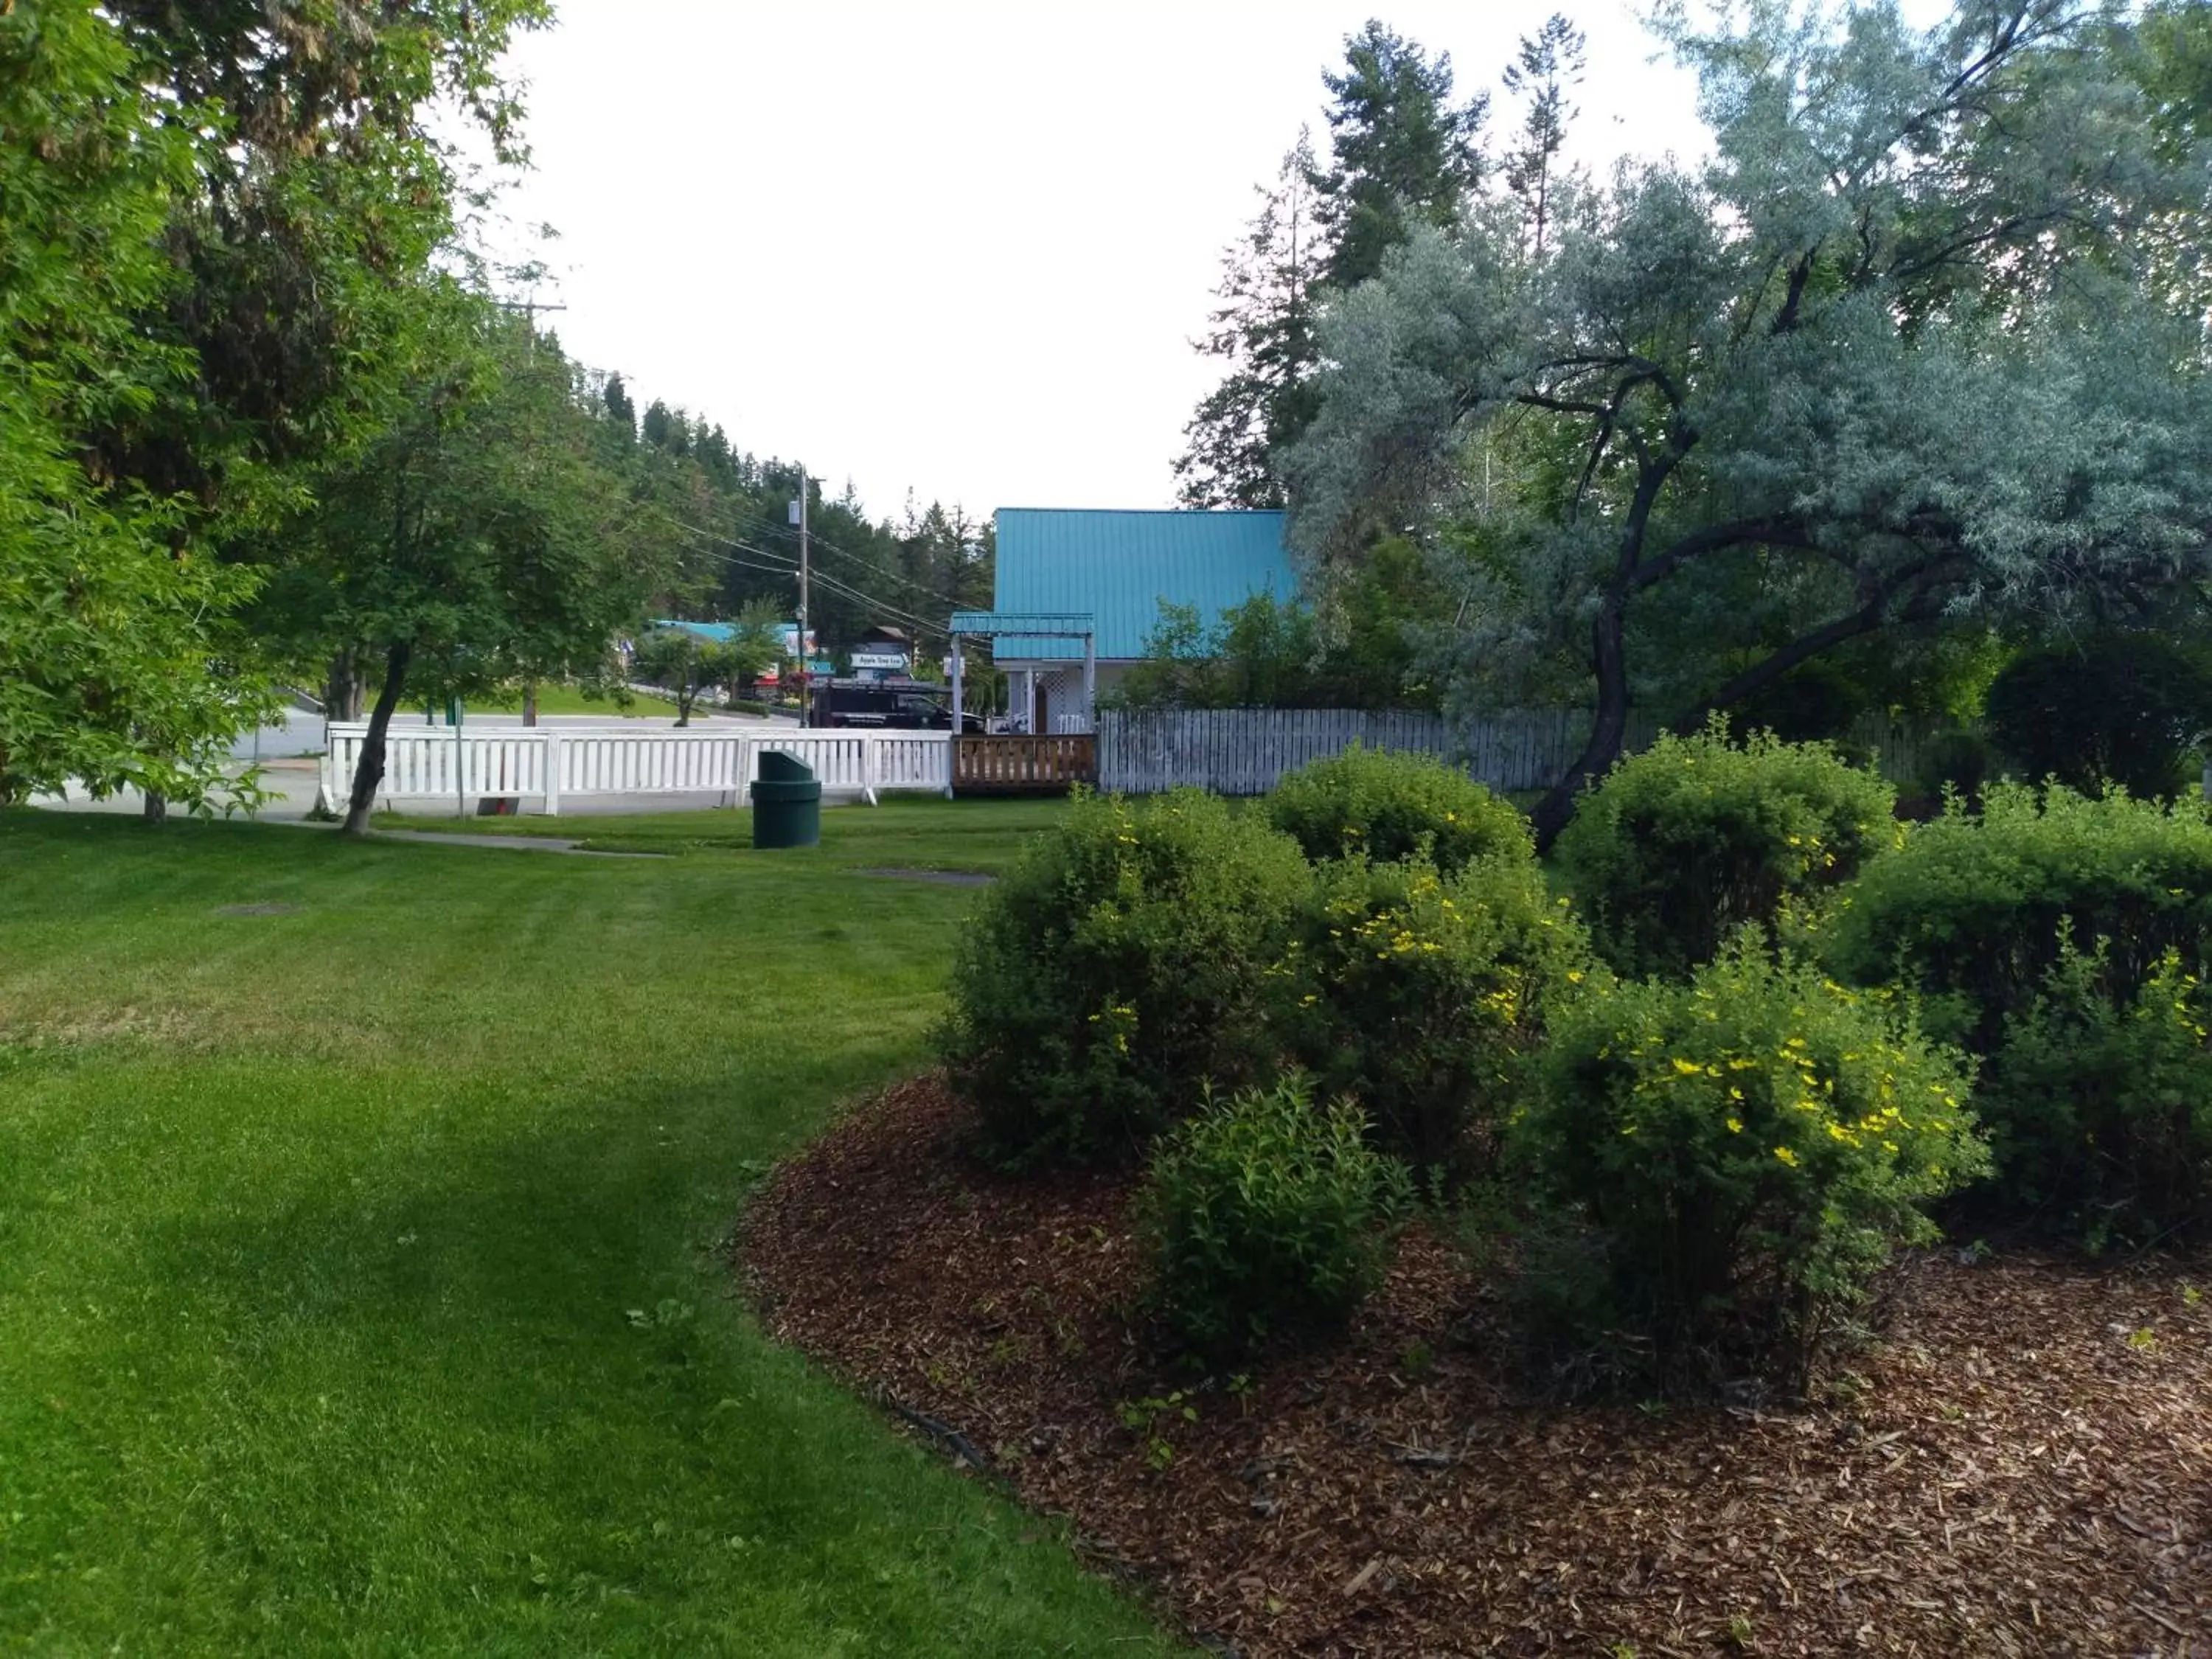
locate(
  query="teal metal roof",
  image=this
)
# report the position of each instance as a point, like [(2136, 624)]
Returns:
[(1119, 566)]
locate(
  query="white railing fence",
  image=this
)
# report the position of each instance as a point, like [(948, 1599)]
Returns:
[(557, 764)]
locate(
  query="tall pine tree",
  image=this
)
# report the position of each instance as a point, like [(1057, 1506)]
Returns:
[(1549, 62), (1400, 154)]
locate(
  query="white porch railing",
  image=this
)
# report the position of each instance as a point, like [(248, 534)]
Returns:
[(557, 764)]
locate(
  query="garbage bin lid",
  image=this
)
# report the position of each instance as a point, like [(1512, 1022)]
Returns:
[(777, 767)]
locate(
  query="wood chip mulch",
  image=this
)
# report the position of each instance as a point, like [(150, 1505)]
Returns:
[(2022, 1465)]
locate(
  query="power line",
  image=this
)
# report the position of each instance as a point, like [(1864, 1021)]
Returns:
[(835, 584), (860, 559)]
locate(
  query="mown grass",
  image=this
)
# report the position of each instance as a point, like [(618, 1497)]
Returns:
[(910, 832), (363, 1286)]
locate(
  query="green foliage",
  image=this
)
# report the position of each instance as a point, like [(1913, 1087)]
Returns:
[(1268, 1214), (1813, 703), (1970, 912), (2126, 709), (685, 665), (111, 604), (1957, 760), (1268, 652), (1385, 806), (1686, 842), (1418, 995), (2099, 1105), (1906, 356), (1117, 969), (1747, 1147), (2061, 938)]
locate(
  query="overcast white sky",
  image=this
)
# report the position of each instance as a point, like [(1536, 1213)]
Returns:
[(958, 248)]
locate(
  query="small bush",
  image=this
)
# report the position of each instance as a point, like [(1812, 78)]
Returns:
[(1684, 843), (2123, 708), (2063, 938), (1387, 806), (1747, 1149), (1959, 762), (1118, 966), (2099, 1105), (1416, 995), (1268, 1214)]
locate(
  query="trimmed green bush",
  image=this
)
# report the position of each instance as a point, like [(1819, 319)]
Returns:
[(1266, 1214), (2064, 938), (2122, 708), (1386, 806), (1416, 995), (1747, 1148), (1115, 969), (1684, 843)]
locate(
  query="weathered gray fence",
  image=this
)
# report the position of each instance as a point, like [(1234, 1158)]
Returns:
[(1246, 751)]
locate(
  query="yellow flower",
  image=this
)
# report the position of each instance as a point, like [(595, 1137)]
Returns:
[(1574, 975), (1688, 1067), (1786, 1156), (1736, 1125)]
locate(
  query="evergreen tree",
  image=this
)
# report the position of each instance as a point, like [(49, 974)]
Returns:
[(620, 409), (1549, 62), (1262, 332), (1401, 153)]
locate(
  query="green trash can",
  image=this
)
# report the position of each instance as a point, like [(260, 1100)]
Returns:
[(786, 802)]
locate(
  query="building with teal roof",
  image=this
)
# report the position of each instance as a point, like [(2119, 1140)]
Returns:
[(1118, 567)]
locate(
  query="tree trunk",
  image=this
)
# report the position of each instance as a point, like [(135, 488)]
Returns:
[(343, 696), (369, 772), (1609, 731), (157, 807), (530, 703)]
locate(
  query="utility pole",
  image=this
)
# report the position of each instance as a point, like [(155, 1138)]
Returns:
[(529, 308), (805, 692)]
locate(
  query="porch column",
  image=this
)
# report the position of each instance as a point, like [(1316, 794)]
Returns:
[(1091, 679), (952, 754)]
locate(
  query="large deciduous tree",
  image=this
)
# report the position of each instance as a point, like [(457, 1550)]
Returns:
[(106, 596), (1897, 353)]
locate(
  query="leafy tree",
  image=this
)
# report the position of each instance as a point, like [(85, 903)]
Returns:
[(477, 541), (1892, 359), (1548, 63), (2123, 708), (685, 665), (111, 608)]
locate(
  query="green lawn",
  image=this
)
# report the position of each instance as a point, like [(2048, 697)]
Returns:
[(362, 1283), (906, 832)]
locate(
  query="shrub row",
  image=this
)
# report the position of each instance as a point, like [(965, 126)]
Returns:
[(1717, 1122)]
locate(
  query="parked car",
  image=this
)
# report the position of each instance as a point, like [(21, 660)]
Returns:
[(909, 704)]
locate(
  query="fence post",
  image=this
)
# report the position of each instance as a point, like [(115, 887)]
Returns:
[(552, 772)]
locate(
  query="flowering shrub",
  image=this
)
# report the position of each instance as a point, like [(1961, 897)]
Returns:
[(1749, 1148), (1416, 995), (1118, 966), (1687, 842), (1266, 1214), (1386, 805)]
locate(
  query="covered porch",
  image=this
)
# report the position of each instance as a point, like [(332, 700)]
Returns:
[(1051, 743)]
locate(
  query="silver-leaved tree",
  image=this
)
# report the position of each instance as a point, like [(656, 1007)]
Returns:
[(1921, 342)]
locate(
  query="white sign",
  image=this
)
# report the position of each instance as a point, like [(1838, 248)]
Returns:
[(878, 659)]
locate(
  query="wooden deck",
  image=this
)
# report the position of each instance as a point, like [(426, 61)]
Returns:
[(1024, 766)]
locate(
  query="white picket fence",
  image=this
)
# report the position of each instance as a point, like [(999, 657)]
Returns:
[(558, 763)]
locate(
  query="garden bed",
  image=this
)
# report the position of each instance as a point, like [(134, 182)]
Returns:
[(2023, 1464)]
